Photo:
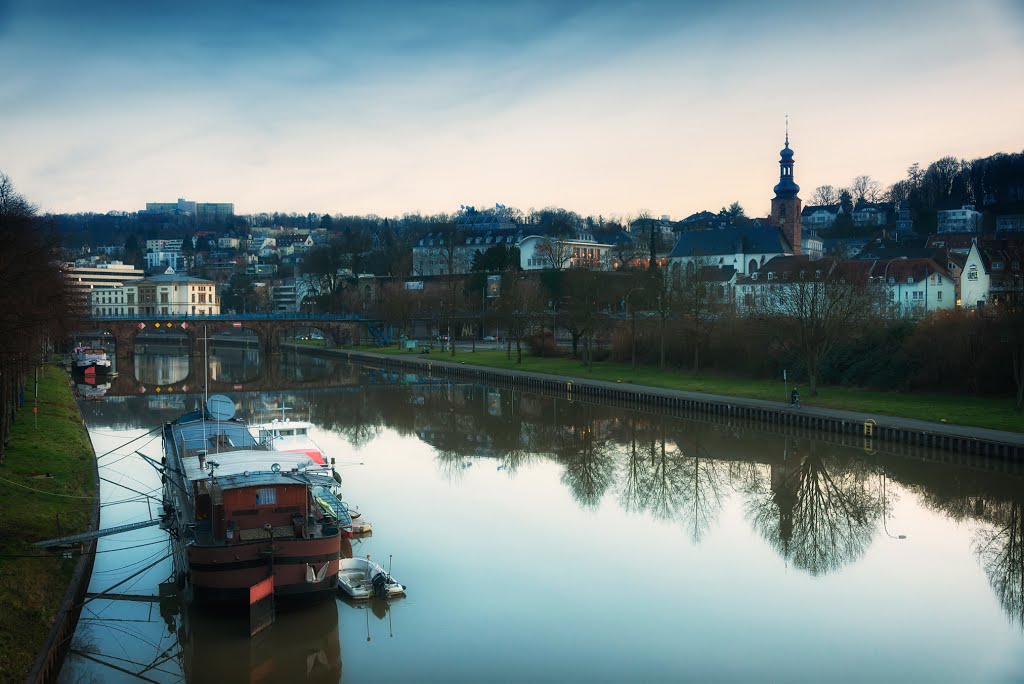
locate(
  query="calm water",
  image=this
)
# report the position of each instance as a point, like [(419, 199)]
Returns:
[(544, 540)]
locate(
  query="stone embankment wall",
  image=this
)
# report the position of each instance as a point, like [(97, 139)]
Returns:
[(863, 429)]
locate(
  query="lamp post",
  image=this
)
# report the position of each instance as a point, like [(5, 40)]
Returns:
[(884, 512), (885, 275)]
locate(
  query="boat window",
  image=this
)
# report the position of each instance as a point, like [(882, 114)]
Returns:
[(300, 431), (266, 496)]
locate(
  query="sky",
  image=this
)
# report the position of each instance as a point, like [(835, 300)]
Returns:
[(603, 107)]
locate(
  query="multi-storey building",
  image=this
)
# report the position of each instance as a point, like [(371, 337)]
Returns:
[(962, 220), (167, 294), (86, 276)]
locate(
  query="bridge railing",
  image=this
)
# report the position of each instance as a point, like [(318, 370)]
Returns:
[(228, 317)]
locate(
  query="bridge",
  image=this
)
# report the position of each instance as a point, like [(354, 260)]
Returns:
[(337, 329)]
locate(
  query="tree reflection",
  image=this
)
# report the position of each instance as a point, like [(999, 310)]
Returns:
[(1000, 548), (584, 450), (817, 512), (682, 484)]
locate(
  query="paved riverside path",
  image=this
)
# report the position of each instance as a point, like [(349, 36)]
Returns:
[(952, 430)]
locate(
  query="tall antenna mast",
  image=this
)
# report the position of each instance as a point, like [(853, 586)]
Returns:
[(206, 368)]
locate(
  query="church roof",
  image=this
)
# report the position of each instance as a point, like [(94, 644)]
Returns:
[(754, 238)]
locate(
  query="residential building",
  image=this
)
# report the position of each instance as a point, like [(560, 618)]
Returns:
[(914, 287), (820, 215), (1010, 223), (868, 214), (164, 245), (975, 279), (160, 260), (962, 220)]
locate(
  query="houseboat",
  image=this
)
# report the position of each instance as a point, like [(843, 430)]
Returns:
[(240, 512), (90, 360)]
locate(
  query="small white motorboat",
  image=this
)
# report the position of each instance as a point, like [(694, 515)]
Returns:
[(362, 578)]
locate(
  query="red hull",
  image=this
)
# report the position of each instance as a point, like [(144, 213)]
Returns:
[(227, 571)]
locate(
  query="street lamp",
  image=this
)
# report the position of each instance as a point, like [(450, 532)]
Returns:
[(885, 275)]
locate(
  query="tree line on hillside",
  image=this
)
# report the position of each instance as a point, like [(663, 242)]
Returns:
[(36, 306), (993, 185)]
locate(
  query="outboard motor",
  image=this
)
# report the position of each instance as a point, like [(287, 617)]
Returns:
[(380, 583)]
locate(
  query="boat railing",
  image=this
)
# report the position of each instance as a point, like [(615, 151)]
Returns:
[(337, 506)]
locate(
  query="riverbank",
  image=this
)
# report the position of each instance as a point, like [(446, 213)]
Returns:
[(981, 412), (910, 433), (48, 476)]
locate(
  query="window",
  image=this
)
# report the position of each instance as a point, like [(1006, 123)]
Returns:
[(266, 496), (938, 296)]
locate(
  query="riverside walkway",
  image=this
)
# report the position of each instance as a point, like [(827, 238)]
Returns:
[(958, 438)]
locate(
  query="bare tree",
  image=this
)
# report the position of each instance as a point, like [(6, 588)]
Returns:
[(866, 189), (36, 303), (556, 251), (697, 301), (816, 304), (825, 194)]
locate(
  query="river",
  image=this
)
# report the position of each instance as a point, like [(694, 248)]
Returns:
[(547, 540)]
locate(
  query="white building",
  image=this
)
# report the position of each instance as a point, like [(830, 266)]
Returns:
[(914, 287), (975, 280), (161, 259), (169, 294), (537, 252), (962, 220), (745, 248), (820, 215), (86, 277)]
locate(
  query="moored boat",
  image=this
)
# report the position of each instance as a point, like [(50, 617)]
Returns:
[(241, 512), (362, 578), (84, 358)]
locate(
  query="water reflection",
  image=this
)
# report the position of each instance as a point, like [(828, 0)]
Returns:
[(301, 646), (1000, 548), (817, 507), (162, 369), (818, 511)]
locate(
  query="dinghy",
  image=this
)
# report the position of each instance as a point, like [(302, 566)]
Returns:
[(362, 578)]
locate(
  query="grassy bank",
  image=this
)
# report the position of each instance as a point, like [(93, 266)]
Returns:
[(997, 414), (48, 473)]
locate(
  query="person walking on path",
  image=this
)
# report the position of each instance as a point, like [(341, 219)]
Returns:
[(794, 398)]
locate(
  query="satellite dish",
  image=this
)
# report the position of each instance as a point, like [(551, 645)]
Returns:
[(276, 467), (220, 407)]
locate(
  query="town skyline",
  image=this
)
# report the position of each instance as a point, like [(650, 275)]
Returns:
[(668, 108)]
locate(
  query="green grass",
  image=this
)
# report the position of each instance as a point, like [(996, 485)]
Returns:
[(308, 343), (49, 453), (994, 413)]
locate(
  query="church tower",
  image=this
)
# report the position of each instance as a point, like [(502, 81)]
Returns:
[(786, 205)]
